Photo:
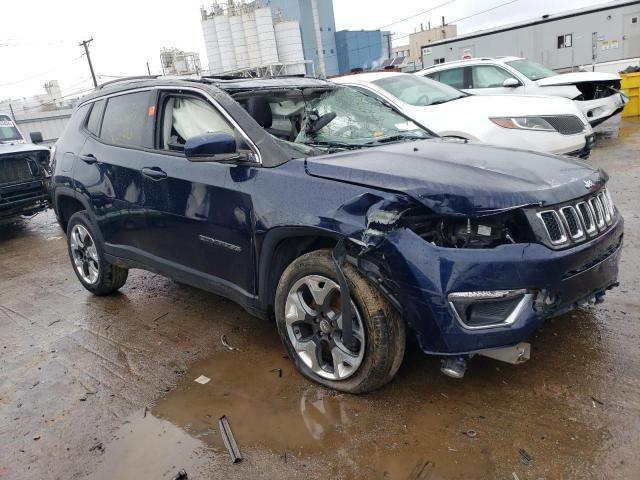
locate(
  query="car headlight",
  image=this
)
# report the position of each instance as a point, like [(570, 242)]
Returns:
[(524, 123)]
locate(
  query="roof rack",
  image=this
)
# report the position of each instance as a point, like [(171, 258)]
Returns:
[(127, 79)]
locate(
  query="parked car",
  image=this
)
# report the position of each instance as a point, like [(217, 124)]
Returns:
[(25, 173), (542, 124), (324, 209), (597, 94)]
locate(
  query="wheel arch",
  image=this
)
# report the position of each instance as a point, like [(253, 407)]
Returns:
[(66, 203)]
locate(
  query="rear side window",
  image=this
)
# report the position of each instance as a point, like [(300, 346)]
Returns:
[(488, 76), (93, 124), (125, 118), (453, 77)]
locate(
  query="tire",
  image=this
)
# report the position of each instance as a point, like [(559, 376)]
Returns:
[(94, 272), (376, 321)]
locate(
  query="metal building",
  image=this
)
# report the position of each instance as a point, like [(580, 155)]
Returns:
[(177, 62), (601, 33), (366, 49)]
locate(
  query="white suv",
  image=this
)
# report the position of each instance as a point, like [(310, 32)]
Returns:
[(597, 94)]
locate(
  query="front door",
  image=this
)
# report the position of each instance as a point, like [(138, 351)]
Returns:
[(198, 218)]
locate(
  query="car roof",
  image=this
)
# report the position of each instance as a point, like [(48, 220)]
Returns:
[(226, 83), (468, 61), (367, 77)]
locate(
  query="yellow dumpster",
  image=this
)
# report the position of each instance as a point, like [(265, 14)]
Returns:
[(631, 87)]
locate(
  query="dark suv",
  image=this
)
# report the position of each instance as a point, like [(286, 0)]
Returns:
[(25, 171), (325, 209)]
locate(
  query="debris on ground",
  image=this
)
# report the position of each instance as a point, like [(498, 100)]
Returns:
[(278, 371), (525, 458), (471, 433), (98, 447), (36, 437), (223, 339), (515, 477), (181, 475), (422, 471), (229, 440), (595, 400), (202, 380)]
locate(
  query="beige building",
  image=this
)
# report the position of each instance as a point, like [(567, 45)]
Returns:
[(417, 40)]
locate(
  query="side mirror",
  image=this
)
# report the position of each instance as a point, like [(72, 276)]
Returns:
[(212, 147), (36, 137), (511, 83)]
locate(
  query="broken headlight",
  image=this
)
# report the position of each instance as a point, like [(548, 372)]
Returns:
[(482, 232)]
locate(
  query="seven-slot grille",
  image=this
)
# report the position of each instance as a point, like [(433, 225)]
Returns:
[(578, 222), (14, 170), (566, 124)]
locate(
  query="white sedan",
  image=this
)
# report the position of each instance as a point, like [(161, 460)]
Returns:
[(543, 124), (596, 94)]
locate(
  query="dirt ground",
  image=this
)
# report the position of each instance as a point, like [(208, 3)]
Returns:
[(104, 387)]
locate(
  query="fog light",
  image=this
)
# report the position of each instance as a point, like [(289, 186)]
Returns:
[(492, 308)]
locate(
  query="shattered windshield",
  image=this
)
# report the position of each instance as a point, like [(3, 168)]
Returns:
[(8, 130), (532, 70), (314, 120), (418, 91)]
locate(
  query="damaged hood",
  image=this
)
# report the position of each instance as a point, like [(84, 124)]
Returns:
[(577, 77), (20, 147), (462, 179)]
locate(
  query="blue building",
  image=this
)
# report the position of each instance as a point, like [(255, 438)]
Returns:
[(301, 11), (361, 49)]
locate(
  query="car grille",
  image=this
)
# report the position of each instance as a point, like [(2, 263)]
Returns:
[(566, 124), (14, 170), (580, 221)]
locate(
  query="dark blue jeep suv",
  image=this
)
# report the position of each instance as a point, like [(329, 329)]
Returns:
[(323, 208)]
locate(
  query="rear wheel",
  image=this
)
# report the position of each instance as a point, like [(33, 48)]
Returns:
[(87, 258), (309, 319)]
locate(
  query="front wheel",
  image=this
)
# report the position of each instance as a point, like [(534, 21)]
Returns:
[(309, 321), (87, 258)]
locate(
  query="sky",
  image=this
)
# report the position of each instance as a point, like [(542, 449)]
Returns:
[(39, 40)]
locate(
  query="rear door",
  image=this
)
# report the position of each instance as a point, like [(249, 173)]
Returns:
[(489, 79), (109, 164), (197, 217)]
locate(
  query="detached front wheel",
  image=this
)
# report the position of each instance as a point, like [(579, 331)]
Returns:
[(308, 313)]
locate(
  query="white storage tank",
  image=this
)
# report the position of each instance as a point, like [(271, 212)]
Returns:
[(266, 36), (211, 46), (239, 42), (225, 43), (251, 37), (289, 43)]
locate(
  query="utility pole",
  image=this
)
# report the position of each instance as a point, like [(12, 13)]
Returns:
[(388, 35), (85, 44), (148, 69)]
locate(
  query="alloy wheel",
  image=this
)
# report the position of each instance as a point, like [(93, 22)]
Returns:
[(314, 325), (85, 254)]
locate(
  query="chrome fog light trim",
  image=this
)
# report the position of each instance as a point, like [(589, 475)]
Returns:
[(459, 302)]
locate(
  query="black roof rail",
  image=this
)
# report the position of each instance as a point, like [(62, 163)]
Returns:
[(127, 79)]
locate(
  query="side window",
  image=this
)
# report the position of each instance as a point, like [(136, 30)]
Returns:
[(95, 117), (453, 77), (488, 76), (184, 117), (434, 76), (125, 119)]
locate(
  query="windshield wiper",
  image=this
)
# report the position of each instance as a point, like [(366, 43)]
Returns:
[(399, 137), (350, 146), (440, 102)]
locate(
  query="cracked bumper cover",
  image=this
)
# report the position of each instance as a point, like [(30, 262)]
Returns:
[(420, 277)]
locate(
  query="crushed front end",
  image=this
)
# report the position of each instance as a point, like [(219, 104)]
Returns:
[(25, 174), (473, 284)]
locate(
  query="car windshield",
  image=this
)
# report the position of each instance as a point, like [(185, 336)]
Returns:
[(531, 70), (417, 90), (335, 118), (8, 130)]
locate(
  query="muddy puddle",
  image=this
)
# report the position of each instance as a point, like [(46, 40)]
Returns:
[(470, 429)]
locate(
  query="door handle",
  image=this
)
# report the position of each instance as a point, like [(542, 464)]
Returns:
[(154, 173), (89, 159)]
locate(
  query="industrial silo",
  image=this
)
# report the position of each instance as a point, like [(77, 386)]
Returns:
[(266, 36), (289, 43), (239, 41), (211, 46), (225, 42), (251, 37)]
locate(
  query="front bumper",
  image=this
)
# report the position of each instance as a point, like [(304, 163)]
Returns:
[(422, 276), (24, 198), (602, 109)]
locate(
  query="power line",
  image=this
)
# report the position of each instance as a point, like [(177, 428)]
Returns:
[(484, 11), (418, 14), (39, 75)]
